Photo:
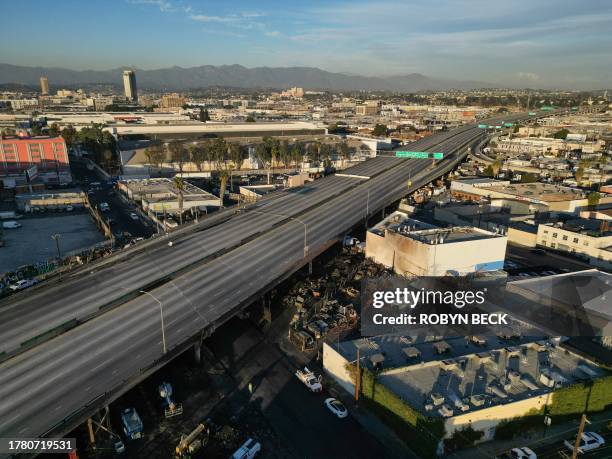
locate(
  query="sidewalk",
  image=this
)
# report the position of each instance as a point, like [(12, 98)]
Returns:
[(555, 434)]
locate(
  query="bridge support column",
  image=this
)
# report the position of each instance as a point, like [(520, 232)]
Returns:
[(197, 353), (266, 307), (310, 268)]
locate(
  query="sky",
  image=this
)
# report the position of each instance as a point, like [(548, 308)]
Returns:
[(534, 43)]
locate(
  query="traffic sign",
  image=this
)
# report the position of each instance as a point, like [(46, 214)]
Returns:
[(412, 154)]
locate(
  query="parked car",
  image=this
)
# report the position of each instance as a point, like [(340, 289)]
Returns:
[(588, 442), (104, 207), (336, 407), (248, 450), (11, 224), (133, 215), (23, 284), (519, 453), (69, 208)]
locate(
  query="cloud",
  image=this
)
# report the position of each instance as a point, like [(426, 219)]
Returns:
[(273, 33), (528, 76)]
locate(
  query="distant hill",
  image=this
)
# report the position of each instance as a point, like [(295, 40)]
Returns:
[(178, 78)]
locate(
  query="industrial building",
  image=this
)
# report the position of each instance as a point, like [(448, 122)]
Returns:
[(160, 196), (410, 247), (45, 159), (531, 197), (464, 381)]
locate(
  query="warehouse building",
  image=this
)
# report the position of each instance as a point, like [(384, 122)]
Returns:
[(410, 247), (463, 381)]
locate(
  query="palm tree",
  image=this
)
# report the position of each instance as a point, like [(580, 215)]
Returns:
[(297, 154), (219, 155), (180, 186), (263, 155), (237, 158)]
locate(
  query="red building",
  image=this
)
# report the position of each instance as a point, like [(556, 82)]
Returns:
[(19, 154)]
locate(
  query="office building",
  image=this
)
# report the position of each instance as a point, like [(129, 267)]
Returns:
[(44, 85), (129, 85), (174, 100)]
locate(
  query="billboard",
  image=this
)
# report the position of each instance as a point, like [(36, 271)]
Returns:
[(31, 173)]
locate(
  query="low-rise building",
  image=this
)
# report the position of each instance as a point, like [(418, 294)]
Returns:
[(587, 237), (410, 247)]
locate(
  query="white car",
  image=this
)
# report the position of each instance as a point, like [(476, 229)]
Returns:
[(133, 215), (336, 407), (11, 224), (588, 442), (23, 284), (519, 453), (249, 449), (104, 207)]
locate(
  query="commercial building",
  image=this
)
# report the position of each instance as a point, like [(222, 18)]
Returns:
[(587, 237), (44, 158), (533, 196), (160, 196), (44, 85), (410, 247), (129, 85), (463, 381), (297, 93), (172, 101)]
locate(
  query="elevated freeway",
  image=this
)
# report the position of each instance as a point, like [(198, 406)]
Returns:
[(206, 277)]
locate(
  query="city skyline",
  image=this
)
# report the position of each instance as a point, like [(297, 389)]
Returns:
[(543, 44)]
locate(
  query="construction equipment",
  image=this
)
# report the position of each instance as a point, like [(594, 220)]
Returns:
[(132, 424), (191, 443), (171, 409), (310, 380)]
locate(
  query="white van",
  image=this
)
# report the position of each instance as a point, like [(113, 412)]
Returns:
[(11, 224)]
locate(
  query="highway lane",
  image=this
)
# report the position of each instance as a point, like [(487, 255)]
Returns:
[(33, 313), (48, 383)]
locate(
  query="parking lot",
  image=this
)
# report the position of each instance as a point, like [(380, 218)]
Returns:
[(32, 243)]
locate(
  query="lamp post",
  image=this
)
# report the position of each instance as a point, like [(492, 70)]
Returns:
[(161, 314), (56, 238)]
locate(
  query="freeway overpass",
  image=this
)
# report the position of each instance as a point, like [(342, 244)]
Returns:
[(111, 337)]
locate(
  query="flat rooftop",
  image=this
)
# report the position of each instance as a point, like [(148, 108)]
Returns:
[(157, 189), (488, 378), (399, 221), (540, 191), (448, 235), (212, 128)]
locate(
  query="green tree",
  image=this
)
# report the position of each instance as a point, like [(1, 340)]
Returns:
[(219, 156), (178, 154), (263, 155), (496, 167), (236, 156), (297, 154), (250, 119), (179, 184), (380, 130), (579, 174), (593, 199), (199, 155), (69, 135), (343, 150), (561, 134), (155, 155), (284, 155)]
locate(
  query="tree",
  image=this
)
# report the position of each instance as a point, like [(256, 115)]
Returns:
[(343, 150), (178, 154), (218, 150), (180, 186), (250, 119), (529, 178), (593, 199), (561, 134), (236, 156), (297, 153), (284, 154), (263, 155), (155, 155), (495, 167), (204, 116), (199, 155), (579, 174), (379, 130), (54, 130)]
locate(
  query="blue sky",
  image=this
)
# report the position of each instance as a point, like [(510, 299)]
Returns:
[(528, 42)]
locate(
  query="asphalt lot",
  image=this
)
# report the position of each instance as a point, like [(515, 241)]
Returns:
[(32, 243)]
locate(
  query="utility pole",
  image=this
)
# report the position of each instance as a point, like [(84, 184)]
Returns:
[(357, 379), (56, 237), (583, 421)]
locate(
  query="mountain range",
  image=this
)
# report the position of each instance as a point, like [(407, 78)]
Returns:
[(179, 78)]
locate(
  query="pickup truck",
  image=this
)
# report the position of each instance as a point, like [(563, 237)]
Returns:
[(588, 442), (310, 380)]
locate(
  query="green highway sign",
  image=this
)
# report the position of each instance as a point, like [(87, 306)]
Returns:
[(532, 113), (497, 127), (482, 126), (438, 155), (412, 154), (508, 124), (547, 109)]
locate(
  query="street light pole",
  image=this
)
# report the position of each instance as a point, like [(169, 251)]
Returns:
[(56, 237), (161, 314)]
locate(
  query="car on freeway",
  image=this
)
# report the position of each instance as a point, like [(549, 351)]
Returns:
[(23, 284), (133, 215), (104, 207), (588, 442), (538, 251), (336, 407), (524, 275), (11, 224), (519, 453)]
